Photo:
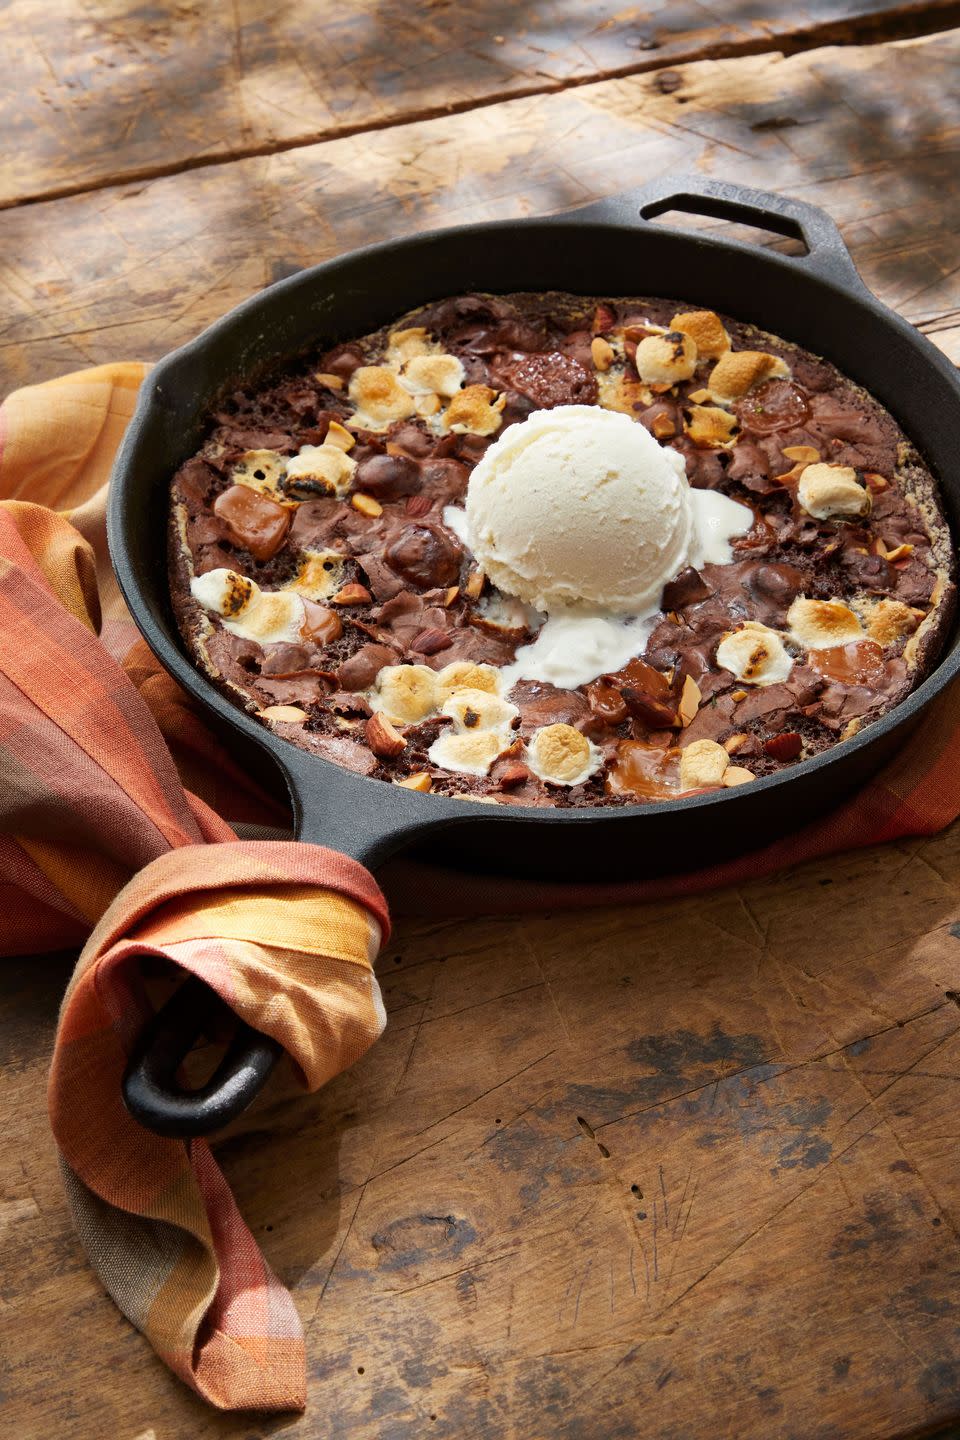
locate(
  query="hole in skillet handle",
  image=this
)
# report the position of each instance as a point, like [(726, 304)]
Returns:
[(714, 208), (825, 252), (151, 1090)]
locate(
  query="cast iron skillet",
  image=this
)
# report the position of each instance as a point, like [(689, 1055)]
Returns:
[(816, 299)]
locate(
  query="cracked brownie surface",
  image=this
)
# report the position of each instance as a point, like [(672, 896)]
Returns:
[(318, 578)]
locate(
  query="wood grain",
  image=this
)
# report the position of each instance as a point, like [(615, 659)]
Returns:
[(871, 133), (689, 1170), (105, 92), (672, 1171)]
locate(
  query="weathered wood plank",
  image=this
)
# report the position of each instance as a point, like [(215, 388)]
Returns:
[(688, 1171), (139, 269), (104, 93)]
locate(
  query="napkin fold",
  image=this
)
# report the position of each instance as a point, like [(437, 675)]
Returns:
[(116, 811), (90, 796)]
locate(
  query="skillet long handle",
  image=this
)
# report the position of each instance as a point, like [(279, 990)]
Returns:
[(151, 1090)]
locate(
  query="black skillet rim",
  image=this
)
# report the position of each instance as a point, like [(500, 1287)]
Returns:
[(432, 811)]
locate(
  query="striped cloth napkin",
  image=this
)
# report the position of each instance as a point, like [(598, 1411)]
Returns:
[(117, 804)]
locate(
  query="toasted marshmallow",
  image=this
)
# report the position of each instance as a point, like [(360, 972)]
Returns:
[(738, 371), (261, 470), (755, 654), (407, 693), (433, 375), (319, 470), (561, 755), (266, 616), (471, 752), (379, 398), (620, 392), (466, 675), (320, 575), (474, 411), (826, 490), (708, 425), (479, 710), (821, 624), (888, 620), (404, 345), (705, 330), (666, 359), (702, 763)]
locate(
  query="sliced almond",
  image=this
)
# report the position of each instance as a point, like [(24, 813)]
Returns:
[(900, 552), (450, 596), (737, 775), (285, 714), (352, 594), (332, 382), (474, 584), (663, 427), (339, 436), (419, 780), (366, 505), (690, 697), (733, 743)]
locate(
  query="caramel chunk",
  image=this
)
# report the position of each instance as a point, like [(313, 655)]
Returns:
[(252, 520)]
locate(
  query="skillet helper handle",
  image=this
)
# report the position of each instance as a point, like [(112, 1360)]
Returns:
[(151, 1090), (827, 252)]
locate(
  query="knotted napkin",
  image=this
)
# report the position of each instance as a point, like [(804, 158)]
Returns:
[(117, 803)]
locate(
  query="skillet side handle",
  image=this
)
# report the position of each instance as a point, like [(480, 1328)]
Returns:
[(151, 1091), (827, 252), (326, 812)]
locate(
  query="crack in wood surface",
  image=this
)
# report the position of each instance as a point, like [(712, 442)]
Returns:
[(912, 21)]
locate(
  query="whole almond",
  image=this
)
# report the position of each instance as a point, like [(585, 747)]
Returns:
[(383, 738)]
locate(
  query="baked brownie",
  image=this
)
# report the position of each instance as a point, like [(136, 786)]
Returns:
[(318, 576)]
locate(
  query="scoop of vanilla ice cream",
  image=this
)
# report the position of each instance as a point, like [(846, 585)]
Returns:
[(580, 506)]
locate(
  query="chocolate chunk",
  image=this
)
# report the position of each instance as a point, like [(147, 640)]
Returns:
[(387, 477), (360, 671), (775, 405), (425, 556), (778, 583), (342, 361), (547, 380), (285, 660), (320, 625), (444, 481), (542, 704), (686, 589), (252, 520)]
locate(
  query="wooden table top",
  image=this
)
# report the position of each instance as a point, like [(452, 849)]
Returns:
[(664, 1172)]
